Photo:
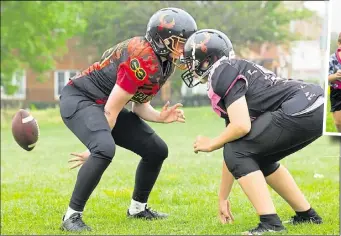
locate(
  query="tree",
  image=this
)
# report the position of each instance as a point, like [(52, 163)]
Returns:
[(111, 23), (33, 32), (243, 21)]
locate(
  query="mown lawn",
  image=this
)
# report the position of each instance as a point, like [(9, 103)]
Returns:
[(36, 186)]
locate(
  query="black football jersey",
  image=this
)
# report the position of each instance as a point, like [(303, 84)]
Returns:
[(264, 91)]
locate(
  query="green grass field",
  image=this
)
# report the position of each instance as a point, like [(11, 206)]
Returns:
[(36, 186), (330, 126)]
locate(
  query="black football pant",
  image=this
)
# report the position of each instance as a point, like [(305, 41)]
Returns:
[(86, 120), (335, 99), (273, 136)]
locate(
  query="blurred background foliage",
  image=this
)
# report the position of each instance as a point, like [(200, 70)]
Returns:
[(36, 41)]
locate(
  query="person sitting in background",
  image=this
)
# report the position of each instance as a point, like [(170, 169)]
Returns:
[(334, 79)]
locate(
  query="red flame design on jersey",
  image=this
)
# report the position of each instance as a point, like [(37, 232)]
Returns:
[(149, 65), (140, 49), (95, 66)]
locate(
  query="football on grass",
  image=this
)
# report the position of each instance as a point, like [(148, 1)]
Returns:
[(25, 130)]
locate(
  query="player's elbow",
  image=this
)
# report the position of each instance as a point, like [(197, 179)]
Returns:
[(242, 128)]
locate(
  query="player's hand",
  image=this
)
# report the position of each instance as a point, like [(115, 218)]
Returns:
[(224, 213), (338, 74), (79, 158), (202, 144), (172, 114)]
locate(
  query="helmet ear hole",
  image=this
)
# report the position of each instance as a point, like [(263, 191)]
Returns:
[(160, 43), (205, 64)]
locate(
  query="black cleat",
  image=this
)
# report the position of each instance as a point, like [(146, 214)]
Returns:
[(75, 223), (264, 228), (295, 220), (148, 214)]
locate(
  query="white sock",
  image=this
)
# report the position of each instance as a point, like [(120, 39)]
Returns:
[(69, 212), (136, 207)]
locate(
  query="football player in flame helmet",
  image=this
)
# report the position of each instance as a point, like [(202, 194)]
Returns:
[(93, 102), (267, 118), (201, 51), (167, 31)]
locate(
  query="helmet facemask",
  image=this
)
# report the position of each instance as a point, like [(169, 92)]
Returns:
[(173, 44), (158, 44), (197, 71)]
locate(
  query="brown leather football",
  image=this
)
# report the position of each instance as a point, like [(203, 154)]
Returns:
[(25, 130)]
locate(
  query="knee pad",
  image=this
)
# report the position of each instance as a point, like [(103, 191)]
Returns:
[(239, 166), (156, 150), (268, 169), (104, 149)]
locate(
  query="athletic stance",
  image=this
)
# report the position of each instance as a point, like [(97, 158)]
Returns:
[(334, 79), (267, 119), (92, 107)]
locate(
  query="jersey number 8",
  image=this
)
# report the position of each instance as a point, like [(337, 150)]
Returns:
[(135, 67)]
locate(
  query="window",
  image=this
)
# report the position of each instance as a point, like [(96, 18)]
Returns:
[(19, 80), (61, 78)]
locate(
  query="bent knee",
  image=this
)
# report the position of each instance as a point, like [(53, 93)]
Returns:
[(161, 149), (156, 150), (105, 149)]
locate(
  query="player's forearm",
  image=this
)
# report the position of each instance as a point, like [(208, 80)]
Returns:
[(226, 184), (118, 98), (332, 77), (230, 133), (146, 112)]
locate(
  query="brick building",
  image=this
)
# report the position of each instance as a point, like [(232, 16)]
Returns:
[(46, 93)]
